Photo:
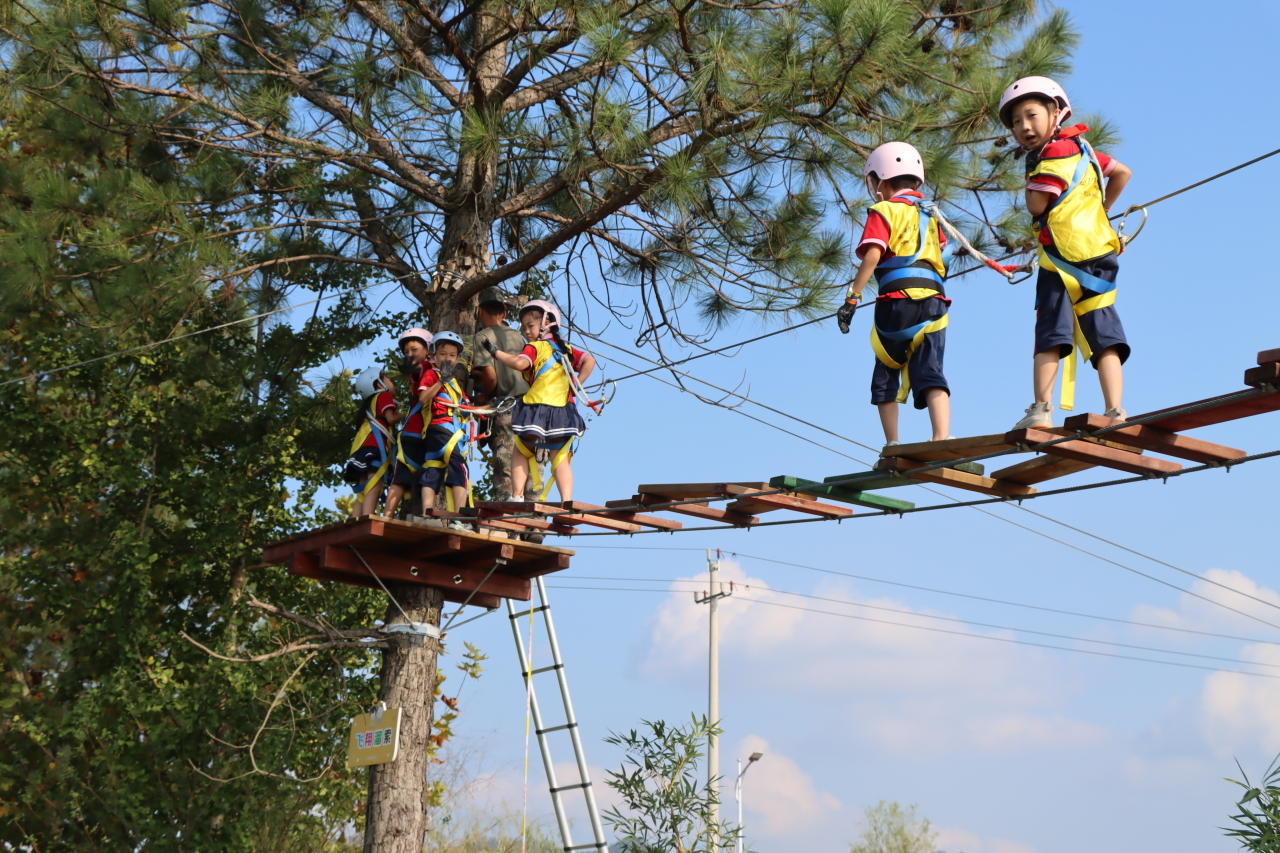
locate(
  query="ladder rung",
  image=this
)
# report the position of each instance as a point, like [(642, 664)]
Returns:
[(599, 845), (570, 787), (557, 728), (530, 610), (544, 669)]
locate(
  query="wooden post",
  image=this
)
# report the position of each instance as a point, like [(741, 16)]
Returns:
[(395, 815)]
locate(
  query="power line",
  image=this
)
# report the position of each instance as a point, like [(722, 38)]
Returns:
[(957, 620), (993, 638), (952, 593)]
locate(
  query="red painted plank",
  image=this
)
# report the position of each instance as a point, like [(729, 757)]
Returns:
[(1159, 440), (448, 578), (784, 501), (1216, 410), (1087, 451)]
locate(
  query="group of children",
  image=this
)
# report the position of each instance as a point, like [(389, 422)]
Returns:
[(1070, 189), (429, 452)]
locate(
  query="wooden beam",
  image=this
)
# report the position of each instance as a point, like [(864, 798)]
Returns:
[(544, 565), (959, 479), (432, 547), (560, 516), (1159, 440), (839, 493), (785, 501), (483, 557), (633, 517), (449, 578), (500, 517), (1085, 451), (1215, 410), (702, 511), (1267, 356)]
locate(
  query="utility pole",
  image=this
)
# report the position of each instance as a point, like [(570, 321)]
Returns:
[(712, 598)]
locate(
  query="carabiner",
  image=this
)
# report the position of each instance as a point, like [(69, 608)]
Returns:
[(1126, 239)]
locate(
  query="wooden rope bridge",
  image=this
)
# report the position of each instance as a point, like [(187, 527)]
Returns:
[(493, 557)]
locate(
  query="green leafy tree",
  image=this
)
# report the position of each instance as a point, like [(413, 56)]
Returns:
[(675, 154), (162, 690), (889, 828), (665, 809), (1258, 819)]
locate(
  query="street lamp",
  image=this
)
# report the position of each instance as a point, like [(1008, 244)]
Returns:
[(737, 789)]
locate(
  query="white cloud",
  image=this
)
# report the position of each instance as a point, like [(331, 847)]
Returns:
[(778, 797), (909, 690)]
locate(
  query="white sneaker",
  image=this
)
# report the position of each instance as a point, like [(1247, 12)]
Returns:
[(1038, 416), (1116, 414), (461, 525)]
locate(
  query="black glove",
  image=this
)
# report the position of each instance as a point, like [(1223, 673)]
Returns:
[(844, 315), (489, 346)]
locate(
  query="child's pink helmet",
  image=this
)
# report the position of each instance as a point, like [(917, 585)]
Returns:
[(892, 160), (421, 335), (1042, 86), (550, 314)]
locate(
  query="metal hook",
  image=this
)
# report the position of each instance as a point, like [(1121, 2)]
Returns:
[(1126, 239)]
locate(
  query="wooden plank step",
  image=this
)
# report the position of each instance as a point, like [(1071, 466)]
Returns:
[(1085, 451), (1267, 356), (1159, 440), (559, 516), (708, 513), (839, 493), (1217, 410), (864, 480), (633, 517), (1268, 374), (966, 467), (952, 448), (523, 524), (1040, 469), (686, 491), (784, 501), (958, 479)]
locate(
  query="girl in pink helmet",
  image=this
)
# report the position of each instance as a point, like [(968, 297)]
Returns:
[(546, 422)]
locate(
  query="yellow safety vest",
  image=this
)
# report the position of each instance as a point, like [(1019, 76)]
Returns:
[(550, 385), (1077, 221)]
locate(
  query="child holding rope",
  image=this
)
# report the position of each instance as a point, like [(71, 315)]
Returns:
[(1078, 248), (902, 245), (545, 421), (444, 460), (372, 451)]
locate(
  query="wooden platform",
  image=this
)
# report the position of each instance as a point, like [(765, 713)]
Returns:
[(458, 562)]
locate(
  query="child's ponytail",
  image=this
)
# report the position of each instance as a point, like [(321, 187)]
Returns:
[(362, 413)]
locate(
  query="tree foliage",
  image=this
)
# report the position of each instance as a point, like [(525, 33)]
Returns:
[(665, 808), (889, 828), (1258, 819), (697, 155), (136, 492)]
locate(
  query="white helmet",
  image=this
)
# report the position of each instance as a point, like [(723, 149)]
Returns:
[(1042, 86), (447, 337), (421, 335), (369, 382), (892, 160), (550, 313)]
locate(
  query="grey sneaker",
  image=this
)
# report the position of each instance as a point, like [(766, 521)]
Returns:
[(1038, 416), (1116, 414)]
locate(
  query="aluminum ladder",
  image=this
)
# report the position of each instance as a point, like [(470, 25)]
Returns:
[(570, 725)]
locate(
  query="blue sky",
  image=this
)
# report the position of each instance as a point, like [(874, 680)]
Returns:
[(1006, 748)]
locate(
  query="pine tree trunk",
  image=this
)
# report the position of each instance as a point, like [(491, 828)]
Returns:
[(396, 812)]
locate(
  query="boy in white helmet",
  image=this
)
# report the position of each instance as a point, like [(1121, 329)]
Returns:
[(902, 245), (410, 447), (1070, 188), (373, 450)]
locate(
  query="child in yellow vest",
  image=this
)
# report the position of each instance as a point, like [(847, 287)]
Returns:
[(373, 450), (902, 245), (1070, 188), (546, 420)]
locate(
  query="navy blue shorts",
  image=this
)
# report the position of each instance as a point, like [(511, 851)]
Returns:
[(414, 449), (1054, 315), (457, 473), (925, 367)]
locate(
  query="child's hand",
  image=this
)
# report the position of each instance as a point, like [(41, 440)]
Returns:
[(844, 315), (489, 346)]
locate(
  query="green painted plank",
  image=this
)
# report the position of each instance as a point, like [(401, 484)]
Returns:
[(839, 493), (872, 480)]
